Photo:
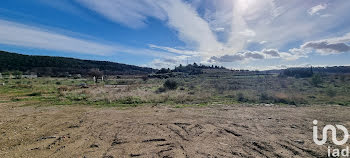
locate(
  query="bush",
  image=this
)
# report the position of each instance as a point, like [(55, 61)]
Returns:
[(281, 98), (331, 92), (241, 98), (15, 99), (144, 78), (264, 97), (131, 100), (34, 94), (342, 78), (316, 79), (170, 84), (77, 97), (160, 90), (17, 74), (63, 89), (6, 73)]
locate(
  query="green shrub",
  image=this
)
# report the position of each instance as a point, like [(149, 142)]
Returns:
[(161, 90), (331, 92), (6, 73), (34, 94), (316, 79), (342, 78), (241, 98), (131, 100), (15, 99), (264, 97), (17, 74), (282, 100), (170, 84), (191, 93), (77, 97), (144, 78)]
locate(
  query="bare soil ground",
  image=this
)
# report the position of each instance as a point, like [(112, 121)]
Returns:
[(220, 131)]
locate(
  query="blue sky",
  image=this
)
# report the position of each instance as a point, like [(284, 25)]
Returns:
[(238, 34)]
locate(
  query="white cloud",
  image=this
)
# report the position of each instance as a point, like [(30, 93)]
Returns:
[(342, 39), (248, 33), (262, 42), (241, 56), (277, 67), (325, 15), (325, 47), (170, 62), (217, 28), (23, 35), (271, 52), (293, 54), (291, 24), (330, 45), (180, 16), (16, 34), (133, 13), (316, 9), (173, 50), (191, 27)]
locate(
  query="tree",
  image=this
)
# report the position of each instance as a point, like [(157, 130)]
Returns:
[(96, 73), (54, 66), (163, 71), (17, 74)]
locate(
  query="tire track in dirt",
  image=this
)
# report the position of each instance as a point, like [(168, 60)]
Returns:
[(160, 132)]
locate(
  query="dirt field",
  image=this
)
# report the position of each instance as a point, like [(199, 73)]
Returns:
[(221, 131)]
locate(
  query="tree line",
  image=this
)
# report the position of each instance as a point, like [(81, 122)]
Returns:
[(61, 66), (310, 71)]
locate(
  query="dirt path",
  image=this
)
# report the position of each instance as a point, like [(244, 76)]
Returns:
[(225, 131)]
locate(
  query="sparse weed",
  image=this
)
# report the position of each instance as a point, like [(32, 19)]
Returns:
[(199, 89)]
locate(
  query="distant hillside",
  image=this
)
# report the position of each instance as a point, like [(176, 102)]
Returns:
[(309, 71), (61, 66)]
